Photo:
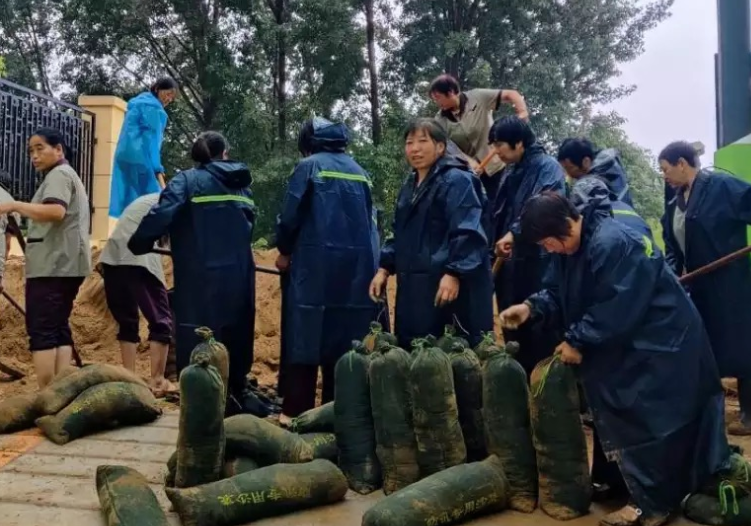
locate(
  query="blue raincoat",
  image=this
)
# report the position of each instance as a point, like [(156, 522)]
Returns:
[(586, 190), (529, 266), (647, 369), (138, 157), (607, 166), (438, 230), (719, 210), (328, 227), (208, 213)]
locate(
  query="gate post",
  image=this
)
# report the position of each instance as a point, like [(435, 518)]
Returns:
[(110, 112)]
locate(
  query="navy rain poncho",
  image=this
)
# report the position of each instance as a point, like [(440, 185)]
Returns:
[(438, 230), (719, 210), (647, 367), (607, 166), (208, 213), (328, 227)]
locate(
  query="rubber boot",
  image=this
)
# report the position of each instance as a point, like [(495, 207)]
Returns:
[(743, 426)]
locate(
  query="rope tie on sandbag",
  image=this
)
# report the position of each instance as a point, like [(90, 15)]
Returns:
[(544, 378), (458, 324), (205, 334), (724, 487)]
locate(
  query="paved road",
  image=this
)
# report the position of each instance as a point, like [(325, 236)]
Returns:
[(43, 484)]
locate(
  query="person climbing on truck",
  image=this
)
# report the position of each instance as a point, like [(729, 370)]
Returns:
[(328, 243), (525, 266), (58, 254), (133, 283), (439, 250), (209, 214), (707, 219), (580, 158), (643, 356)]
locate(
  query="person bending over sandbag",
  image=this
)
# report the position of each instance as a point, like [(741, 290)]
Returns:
[(328, 243), (645, 361), (439, 250), (133, 283), (209, 214)]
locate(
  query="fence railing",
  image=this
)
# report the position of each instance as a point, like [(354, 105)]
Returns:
[(23, 111)]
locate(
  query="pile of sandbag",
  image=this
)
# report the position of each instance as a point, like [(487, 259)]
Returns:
[(80, 402)]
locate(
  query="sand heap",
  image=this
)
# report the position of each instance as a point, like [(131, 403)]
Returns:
[(95, 331)]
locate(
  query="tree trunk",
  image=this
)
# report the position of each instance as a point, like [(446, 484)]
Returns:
[(375, 106)]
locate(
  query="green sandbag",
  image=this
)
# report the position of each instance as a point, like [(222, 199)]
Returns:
[(455, 495), (355, 434), (486, 345), (216, 352), (316, 420), (323, 445), (200, 438), (507, 426), (468, 387), (562, 462), (53, 398), (232, 467), (738, 475), (713, 511), (18, 413), (391, 402), (440, 443), (126, 498), (265, 492), (104, 406), (267, 444), (377, 337)]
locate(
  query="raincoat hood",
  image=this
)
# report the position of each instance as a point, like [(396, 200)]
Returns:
[(231, 173), (329, 136), (145, 99), (531, 152), (590, 192), (604, 161)]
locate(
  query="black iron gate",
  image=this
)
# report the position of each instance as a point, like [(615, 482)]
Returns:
[(22, 111)]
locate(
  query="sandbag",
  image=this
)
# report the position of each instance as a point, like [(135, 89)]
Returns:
[(455, 495), (391, 403), (267, 444), (738, 475), (562, 463), (353, 425), (317, 420), (200, 437), (505, 403), (467, 372), (104, 406), (440, 443), (216, 352), (377, 337), (232, 467), (486, 345), (266, 492), (63, 391), (725, 510), (323, 445), (126, 498)]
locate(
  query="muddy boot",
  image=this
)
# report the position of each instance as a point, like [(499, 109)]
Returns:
[(743, 426), (630, 515), (244, 401)]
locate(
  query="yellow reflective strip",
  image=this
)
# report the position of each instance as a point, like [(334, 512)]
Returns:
[(349, 177), (648, 248), (625, 212), (222, 198)]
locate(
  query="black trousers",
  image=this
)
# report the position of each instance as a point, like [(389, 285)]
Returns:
[(300, 387)]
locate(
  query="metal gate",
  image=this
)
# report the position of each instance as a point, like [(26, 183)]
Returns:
[(23, 111)]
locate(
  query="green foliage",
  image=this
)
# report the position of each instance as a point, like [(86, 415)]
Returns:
[(255, 69)]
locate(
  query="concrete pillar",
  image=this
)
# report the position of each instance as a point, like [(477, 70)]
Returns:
[(110, 112)]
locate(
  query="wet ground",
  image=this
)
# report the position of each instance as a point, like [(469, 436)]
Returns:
[(43, 484)]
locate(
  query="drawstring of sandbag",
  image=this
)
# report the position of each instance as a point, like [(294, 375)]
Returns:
[(724, 487), (544, 376), (458, 324)]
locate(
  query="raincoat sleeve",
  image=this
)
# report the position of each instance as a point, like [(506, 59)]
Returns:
[(551, 177), (737, 194), (159, 219), (624, 280), (467, 242), (388, 258), (289, 221), (153, 122), (545, 307)]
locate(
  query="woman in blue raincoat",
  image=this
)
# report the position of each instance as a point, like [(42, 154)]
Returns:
[(439, 251), (707, 219), (138, 168), (644, 359)]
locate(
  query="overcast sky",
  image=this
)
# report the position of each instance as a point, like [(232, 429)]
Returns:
[(675, 95)]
